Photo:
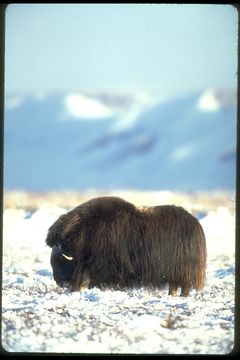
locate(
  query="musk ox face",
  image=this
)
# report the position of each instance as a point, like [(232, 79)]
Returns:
[(63, 267), (64, 270), (108, 242)]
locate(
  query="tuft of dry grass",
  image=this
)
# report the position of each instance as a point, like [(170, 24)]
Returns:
[(192, 201)]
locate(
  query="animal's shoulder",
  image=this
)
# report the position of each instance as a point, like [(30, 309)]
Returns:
[(104, 207), (170, 212)]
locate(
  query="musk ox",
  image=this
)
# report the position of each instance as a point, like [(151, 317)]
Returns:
[(107, 241)]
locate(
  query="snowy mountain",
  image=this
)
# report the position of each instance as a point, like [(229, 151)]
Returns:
[(105, 141)]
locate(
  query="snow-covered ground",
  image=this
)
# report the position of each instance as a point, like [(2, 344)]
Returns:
[(38, 316)]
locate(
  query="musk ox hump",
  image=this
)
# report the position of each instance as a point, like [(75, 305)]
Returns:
[(70, 225), (97, 209)]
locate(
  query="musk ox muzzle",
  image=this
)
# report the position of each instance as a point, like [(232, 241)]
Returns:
[(108, 242)]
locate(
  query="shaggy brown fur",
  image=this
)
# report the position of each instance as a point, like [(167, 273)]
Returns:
[(107, 241)]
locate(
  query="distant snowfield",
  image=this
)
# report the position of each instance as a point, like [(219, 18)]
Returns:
[(208, 102), (80, 106), (38, 316)]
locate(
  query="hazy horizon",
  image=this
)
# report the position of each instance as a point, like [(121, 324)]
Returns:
[(151, 48)]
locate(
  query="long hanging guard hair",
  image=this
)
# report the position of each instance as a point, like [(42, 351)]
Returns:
[(113, 243)]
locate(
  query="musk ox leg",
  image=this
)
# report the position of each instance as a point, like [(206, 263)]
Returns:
[(81, 279), (173, 289), (185, 290), (85, 280)]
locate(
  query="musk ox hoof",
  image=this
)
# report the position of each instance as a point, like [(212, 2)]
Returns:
[(108, 242), (173, 290)]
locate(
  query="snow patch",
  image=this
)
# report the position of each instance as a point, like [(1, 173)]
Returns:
[(208, 101), (183, 152), (80, 106), (38, 316), (219, 229), (13, 102), (127, 120)]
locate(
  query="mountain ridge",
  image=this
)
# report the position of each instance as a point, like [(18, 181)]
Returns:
[(175, 144)]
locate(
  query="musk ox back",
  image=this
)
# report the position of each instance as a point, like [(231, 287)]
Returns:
[(107, 241)]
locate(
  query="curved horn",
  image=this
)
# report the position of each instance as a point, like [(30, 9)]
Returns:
[(67, 257)]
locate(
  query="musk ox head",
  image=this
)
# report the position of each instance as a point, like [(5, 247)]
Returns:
[(65, 257), (63, 266), (107, 241)]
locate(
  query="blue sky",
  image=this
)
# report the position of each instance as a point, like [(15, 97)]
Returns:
[(163, 49)]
